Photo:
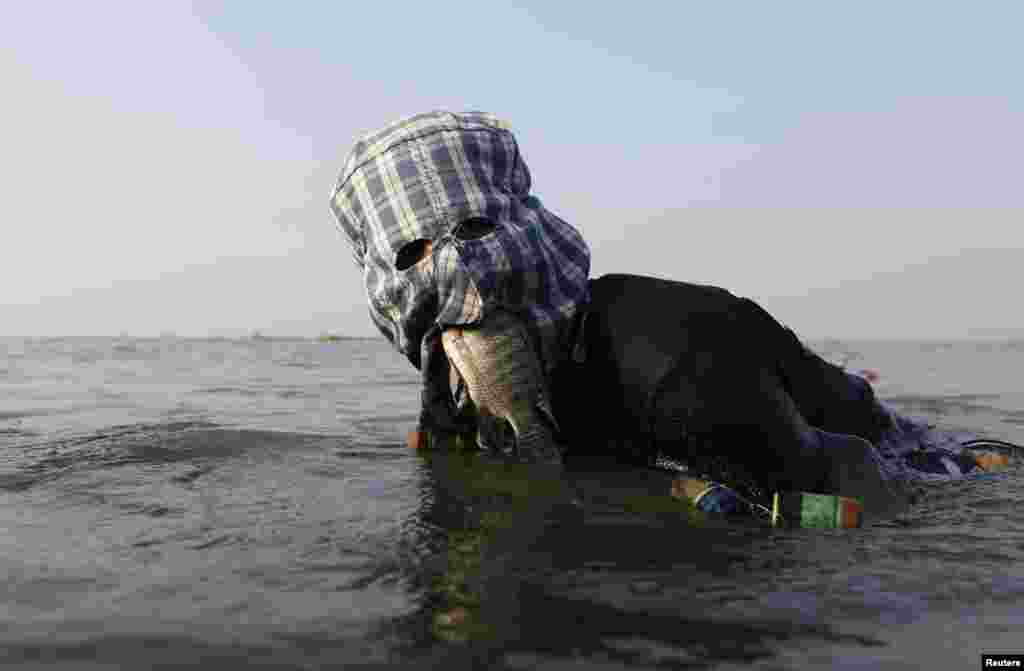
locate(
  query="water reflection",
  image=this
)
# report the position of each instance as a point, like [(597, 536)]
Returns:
[(474, 516), (520, 563)]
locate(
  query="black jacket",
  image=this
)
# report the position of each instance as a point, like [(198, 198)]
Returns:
[(698, 373)]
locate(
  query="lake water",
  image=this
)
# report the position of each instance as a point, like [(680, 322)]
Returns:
[(172, 503)]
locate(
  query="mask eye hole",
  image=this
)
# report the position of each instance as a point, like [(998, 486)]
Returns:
[(413, 253), (475, 227)]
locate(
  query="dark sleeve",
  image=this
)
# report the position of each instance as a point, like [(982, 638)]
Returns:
[(827, 396), (681, 367)]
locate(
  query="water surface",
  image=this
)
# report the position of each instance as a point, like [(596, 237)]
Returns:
[(166, 503)]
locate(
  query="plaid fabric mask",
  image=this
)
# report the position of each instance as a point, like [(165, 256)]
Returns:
[(430, 177)]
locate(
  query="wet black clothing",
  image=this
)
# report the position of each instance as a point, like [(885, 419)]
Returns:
[(696, 372)]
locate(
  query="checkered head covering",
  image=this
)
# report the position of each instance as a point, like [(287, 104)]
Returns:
[(420, 179)]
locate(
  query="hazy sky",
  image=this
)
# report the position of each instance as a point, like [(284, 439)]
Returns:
[(856, 167)]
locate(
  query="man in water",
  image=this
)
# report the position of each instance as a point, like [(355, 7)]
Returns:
[(488, 294)]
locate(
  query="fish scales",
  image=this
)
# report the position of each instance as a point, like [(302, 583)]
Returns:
[(505, 382)]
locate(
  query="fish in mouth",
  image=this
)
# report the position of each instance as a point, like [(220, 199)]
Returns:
[(507, 387)]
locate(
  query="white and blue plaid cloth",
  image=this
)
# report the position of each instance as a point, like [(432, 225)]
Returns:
[(418, 179)]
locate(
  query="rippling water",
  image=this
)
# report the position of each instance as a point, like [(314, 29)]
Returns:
[(170, 503)]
